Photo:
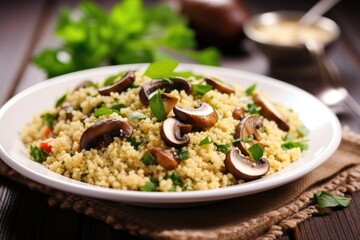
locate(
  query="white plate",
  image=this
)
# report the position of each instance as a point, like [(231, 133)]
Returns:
[(325, 136)]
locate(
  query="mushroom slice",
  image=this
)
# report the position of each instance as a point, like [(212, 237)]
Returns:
[(120, 85), (164, 157), (247, 127), (83, 84), (148, 88), (180, 83), (220, 86), (169, 101), (243, 168), (102, 133), (202, 116), (173, 132), (238, 113), (270, 112)]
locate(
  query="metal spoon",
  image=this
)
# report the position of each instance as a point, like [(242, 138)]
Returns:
[(334, 92), (314, 14)]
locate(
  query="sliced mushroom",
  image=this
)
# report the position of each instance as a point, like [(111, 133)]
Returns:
[(83, 84), (102, 133), (247, 127), (180, 83), (150, 87), (202, 116), (173, 132), (220, 86), (120, 85), (238, 113), (164, 157), (169, 101), (270, 112), (243, 168)]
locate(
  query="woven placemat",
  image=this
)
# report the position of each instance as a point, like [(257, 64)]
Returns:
[(263, 215)]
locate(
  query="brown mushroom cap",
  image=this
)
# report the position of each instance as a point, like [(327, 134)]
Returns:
[(149, 87), (202, 116), (220, 86), (247, 127), (164, 157), (243, 168), (238, 113), (173, 132), (102, 133), (180, 83), (118, 86), (270, 112)]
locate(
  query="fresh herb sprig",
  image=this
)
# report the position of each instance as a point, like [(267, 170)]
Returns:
[(128, 33)]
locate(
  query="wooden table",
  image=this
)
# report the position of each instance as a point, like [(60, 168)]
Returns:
[(27, 27)]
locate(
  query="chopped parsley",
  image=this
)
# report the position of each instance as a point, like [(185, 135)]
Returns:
[(183, 153), (245, 140), (224, 148), (290, 145), (150, 186), (148, 159), (205, 141), (134, 143), (250, 90), (253, 108), (39, 155)]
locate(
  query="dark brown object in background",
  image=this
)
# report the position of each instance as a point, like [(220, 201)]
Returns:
[(217, 23)]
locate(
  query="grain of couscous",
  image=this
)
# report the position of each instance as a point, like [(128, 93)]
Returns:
[(174, 132)]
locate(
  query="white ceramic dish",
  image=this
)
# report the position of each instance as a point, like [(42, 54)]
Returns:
[(325, 136)]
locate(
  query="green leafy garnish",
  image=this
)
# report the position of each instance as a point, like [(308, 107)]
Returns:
[(201, 89), (205, 141), (150, 186), (288, 137), (161, 69), (84, 175), (303, 131), (250, 90), (148, 159), (157, 105), (39, 155), (128, 33), (185, 74), (105, 111), (290, 145), (60, 101), (246, 140), (134, 143), (137, 115), (175, 178), (118, 106), (183, 153), (325, 199), (256, 151), (254, 109), (112, 79), (49, 119), (222, 147)]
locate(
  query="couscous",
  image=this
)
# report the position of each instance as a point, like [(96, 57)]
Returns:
[(177, 131)]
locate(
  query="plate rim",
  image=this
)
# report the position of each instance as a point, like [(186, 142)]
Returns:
[(169, 197)]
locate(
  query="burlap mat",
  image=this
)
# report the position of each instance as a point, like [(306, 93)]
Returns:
[(264, 215)]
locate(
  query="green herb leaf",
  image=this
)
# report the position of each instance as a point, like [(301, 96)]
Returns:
[(84, 175), (254, 109), (105, 111), (183, 153), (49, 119), (39, 155), (246, 140), (303, 131), (290, 145), (118, 106), (205, 141), (250, 90), (60, 101), (137, 115), (201, 89), (161, 69), (157, 105), (134, 143), (185, 74), (256, 151), (150, 186), (324, 199), (288, 137), (222, 147), (114, 78), (175, 178), (148, 159)]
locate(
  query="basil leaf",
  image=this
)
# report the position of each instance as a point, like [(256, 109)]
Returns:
[(205, 141), (114, 78), (246, 140), (290, 145), (157, 105), (161, 69), (250, 90), (118, 106), (148, 159), (256, 151), (183, 153), (222, 147), (288, 137), (325, 199), (105, 111), (137, 115), (303, 131), (60, 101), (201, 89)]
